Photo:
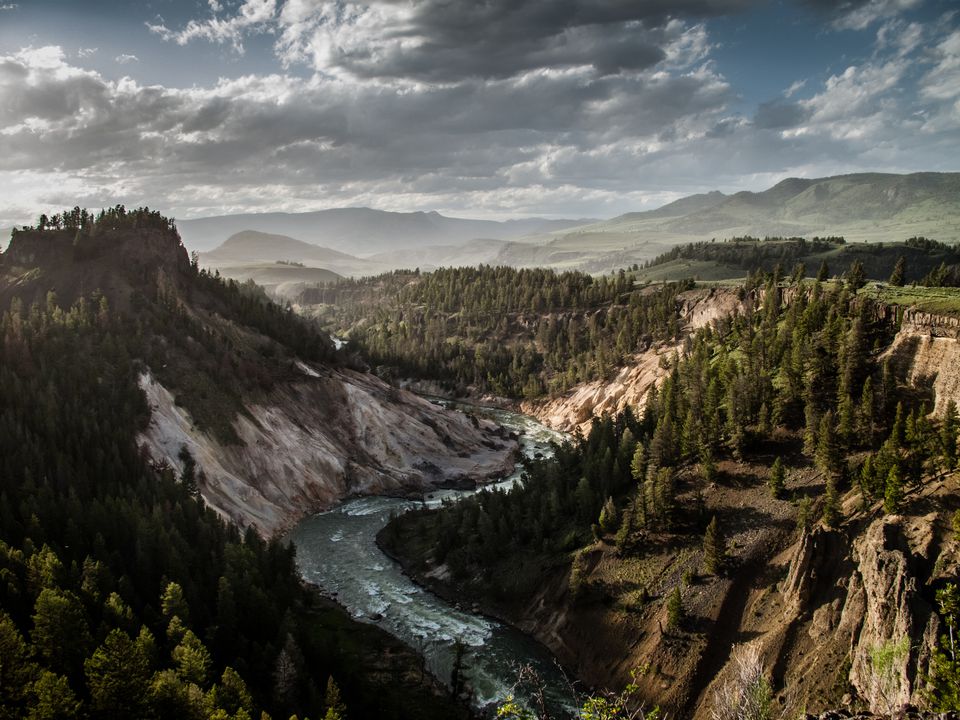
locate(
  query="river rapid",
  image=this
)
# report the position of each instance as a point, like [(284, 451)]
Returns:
[(337, 551)]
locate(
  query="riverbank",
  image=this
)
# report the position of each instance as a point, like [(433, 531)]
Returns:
[(337, 551), (384, 676), (545, 588)]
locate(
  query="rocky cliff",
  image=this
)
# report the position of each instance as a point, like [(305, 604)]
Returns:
[(853, 594), (330, 435), (927, 350)]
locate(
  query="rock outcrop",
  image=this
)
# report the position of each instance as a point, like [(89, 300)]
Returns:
[(927, 351), (887, 588), (868, 601)]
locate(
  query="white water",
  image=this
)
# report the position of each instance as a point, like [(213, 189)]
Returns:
[(337, 551)]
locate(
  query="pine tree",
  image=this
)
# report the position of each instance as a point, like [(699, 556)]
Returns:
[(118, 677), (638, 465), (847, 420), (333, 701), (714, 548), (898, 429), (585, 500), (625, 531), (799, 273), (893, 493), (664, 497), (192, 659), (831, 504), (16, 671), (59, 615), (708, 467), (53, 698), (763, 420), (172, 603), (867, 413), (675, 611), (828, 453), (896, 277), (824, 272), (777, 479), (608, 517), (944, 678), (855, 276)]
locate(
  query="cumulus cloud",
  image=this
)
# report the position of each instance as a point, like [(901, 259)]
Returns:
[(125, 59)]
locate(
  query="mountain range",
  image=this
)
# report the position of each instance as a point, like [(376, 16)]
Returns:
[(862, 207), (364, 231)]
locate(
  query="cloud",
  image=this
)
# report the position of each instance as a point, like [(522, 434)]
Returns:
[(324, 137), (439, 41), (778, 114), (125, 59), (84, 53), (942, 81), (9, 6), (860, 14), (252, 16), (794, 88), (574, 107)]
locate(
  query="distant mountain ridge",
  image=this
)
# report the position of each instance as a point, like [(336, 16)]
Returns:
[(364, 231), (873, 207)]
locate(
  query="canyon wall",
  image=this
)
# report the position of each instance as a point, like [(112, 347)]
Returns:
[(332, 434)]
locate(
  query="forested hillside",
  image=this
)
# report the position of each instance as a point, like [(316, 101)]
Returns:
[(915, 260), (514, 333), (121, 593), (614, 551)]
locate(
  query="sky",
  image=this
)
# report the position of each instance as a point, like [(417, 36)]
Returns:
[(474, 108)]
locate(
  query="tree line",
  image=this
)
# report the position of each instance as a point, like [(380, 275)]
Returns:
[(515, 333)]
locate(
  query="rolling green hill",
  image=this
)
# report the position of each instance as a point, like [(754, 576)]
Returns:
[(868, 207)]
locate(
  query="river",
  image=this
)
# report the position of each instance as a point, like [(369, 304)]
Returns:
[(337, 551)]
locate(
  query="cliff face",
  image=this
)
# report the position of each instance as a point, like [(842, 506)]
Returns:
[(855, 594), (311, 443), (114, 262), (927, 351)]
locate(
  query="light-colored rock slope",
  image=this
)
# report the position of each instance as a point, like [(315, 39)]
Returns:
[(928, 346), (330, 435), (575, 410)]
